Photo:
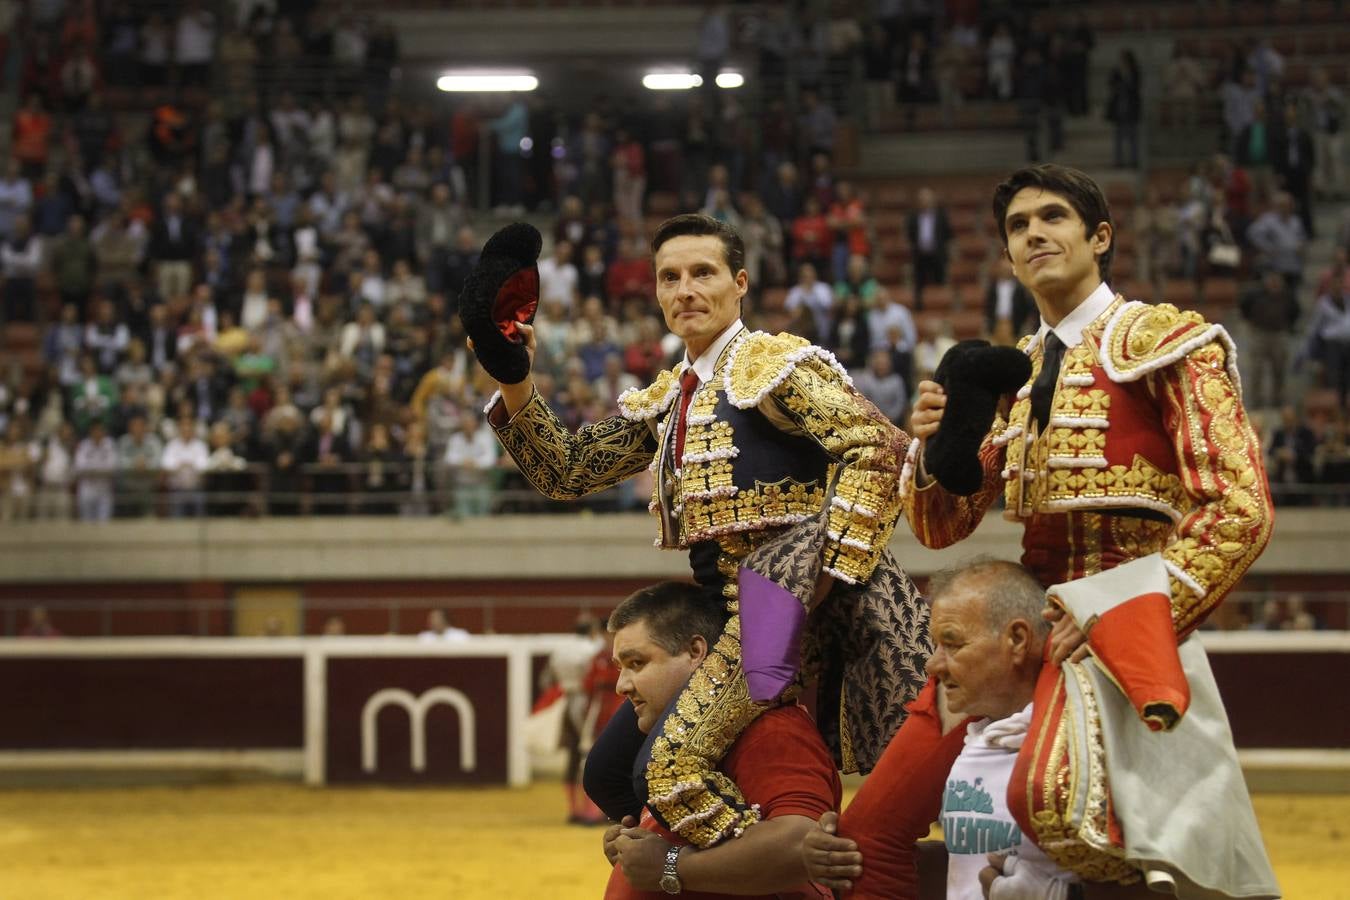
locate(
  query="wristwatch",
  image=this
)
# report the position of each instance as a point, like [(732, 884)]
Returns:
[(670, 877)]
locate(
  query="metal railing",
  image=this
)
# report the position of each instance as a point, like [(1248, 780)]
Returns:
[(388, 489), (212, 617)]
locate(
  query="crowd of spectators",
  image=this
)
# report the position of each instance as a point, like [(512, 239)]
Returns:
[(247, 291)]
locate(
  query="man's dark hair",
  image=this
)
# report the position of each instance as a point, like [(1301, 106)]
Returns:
[(1011, 590), (674, 611), (697, 225), (1074, 186)]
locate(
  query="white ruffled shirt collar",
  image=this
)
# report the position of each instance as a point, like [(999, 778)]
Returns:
[(1070, 328), (706, 363)]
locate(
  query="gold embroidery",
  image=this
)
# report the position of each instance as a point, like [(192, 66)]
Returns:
[(760, 362), (654, 399), (564, 466), (1142, 335), (684, 788), (1230, 526)]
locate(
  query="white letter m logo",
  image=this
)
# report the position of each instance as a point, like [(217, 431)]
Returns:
[(417, 715)]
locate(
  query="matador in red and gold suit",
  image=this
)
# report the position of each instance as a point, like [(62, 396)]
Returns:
[(1146, 453)]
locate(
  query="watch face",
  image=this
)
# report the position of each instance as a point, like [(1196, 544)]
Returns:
[(670, 884)]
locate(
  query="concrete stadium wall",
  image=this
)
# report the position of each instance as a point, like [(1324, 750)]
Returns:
[(501, 549)]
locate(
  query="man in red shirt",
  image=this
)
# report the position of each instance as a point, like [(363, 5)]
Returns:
[(661, 635)]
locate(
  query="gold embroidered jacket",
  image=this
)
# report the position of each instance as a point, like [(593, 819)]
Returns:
[(1148, 449), (764, 438)]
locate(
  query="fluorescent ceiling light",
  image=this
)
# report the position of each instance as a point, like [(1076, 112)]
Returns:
[(730, 79), (476, 81), (670, 81)]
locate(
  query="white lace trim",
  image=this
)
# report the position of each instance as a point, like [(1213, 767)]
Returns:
[(1079, 422), (1078, 380), (1006, 435), (492, 401), (864, 511), (707, 419), (710, 455), (1024, 392), (847, 541), (907, 470), (1098, 503), (789, 363), (839, 576), (726, 490), (661, 406), (1076, 462)]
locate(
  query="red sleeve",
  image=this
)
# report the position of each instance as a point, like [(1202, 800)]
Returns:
[(781, 763)]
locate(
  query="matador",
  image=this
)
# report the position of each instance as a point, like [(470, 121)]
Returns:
[(749, 435)]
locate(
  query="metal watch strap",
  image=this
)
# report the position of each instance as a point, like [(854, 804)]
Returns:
[(670, 876)]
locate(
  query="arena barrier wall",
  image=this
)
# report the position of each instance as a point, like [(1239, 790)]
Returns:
[(332, 710), (401, 711)]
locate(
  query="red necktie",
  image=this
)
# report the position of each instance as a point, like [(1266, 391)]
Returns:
[(688, 384)]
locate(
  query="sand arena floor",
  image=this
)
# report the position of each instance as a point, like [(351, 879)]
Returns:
[(280, 840)]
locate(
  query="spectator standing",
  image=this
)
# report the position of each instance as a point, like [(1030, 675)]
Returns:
[(471, 456), (558, 277), (1328, 341), (95, 471), (1280, 241), (1156, 237), (138, 462), (74, 264), (382, 472), (1184, 84), (847, 219), (881, 384), (1124, 107), (1292, 450), (32, 136), (20, 262), (106, 338), (878, 75), (811, 237), (815, 296), (56, 473), (194, 44), (816, 125), (1008, 305), (1241, 99), (173, 246), (16, 198), (118, 249), (930, 233), (1325, 112), (1291, 158), (1270, 310), (892, 327), (999, 55), (850, 338), (16, 474), (511, 127)]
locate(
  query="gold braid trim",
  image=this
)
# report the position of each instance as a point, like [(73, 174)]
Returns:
[(1222, 467), (851, 429), (685, 791), (564, 466)]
